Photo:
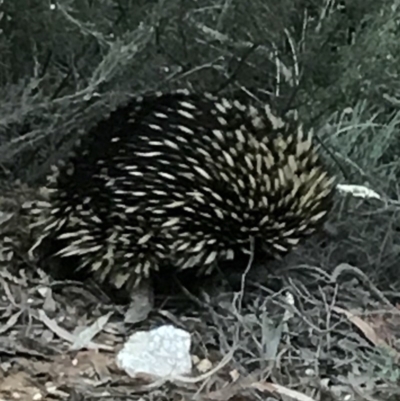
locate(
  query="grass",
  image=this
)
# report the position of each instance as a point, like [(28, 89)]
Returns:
[(322, 324)]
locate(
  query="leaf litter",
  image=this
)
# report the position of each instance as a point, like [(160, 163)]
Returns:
[(319, 337)]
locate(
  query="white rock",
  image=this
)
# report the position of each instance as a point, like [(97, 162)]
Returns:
[(161, 352)]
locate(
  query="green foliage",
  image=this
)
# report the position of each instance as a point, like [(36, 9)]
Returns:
[(64, 64)]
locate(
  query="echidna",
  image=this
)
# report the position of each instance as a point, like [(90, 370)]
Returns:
[(183, 180)]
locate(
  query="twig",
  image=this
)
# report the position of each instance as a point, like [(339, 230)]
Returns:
[(345, 267), (244, 275)]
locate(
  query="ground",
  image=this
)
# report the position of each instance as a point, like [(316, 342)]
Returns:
[(306, 333)]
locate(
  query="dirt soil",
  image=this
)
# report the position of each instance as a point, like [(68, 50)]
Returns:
[(304, 335)]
